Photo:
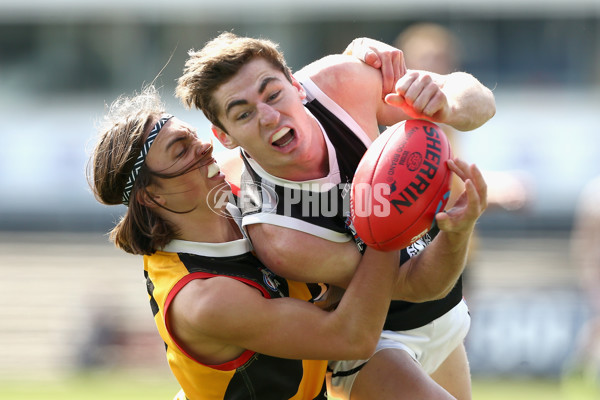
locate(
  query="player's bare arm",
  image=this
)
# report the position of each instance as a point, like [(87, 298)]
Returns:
[(388, 59), (353, 85), (457, 99), (471, 103), (279, 327), (445, 257), (304, 257)]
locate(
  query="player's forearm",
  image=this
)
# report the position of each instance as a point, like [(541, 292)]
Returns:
[(433, 273), (303, 257), (472, 103), (363, 308)]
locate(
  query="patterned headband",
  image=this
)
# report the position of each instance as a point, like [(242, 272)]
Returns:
[(142, 157)]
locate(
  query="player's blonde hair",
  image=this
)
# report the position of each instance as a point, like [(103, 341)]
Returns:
[(218, 61)]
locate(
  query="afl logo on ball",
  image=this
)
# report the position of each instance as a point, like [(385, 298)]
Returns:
[(414, 161)]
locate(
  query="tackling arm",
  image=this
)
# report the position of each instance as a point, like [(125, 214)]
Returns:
[(218, 318)]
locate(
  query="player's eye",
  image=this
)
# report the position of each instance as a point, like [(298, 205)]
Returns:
[(181, 151), (243, 115), (274, 95)]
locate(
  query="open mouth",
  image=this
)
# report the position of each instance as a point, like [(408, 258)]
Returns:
[(212, 170), (283, 137)]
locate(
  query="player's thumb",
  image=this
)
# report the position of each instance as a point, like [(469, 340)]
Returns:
[(443, 221), (395, 100)]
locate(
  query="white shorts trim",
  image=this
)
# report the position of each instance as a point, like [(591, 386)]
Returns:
[(428, 345)]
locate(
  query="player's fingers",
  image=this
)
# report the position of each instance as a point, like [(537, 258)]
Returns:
[(419, 101), (398, 66), (388, 74), (436, 105), (419, 83), (480, 184), (427, 99), (475, 205), (405, 82), (370, 58), (459, 167)]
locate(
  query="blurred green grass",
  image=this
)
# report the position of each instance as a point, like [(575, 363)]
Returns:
[(134, 386), (93, 386)]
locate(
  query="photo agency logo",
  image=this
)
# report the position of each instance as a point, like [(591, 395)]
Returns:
[(304, 201), (254, 197)]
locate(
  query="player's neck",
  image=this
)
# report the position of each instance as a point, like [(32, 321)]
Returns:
[(209, 227)]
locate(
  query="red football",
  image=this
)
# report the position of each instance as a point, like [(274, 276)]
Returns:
[(401, 183)]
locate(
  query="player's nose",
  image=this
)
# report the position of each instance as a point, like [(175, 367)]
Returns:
[(268, 115)]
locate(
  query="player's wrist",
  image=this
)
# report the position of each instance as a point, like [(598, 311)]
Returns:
[(456, 241)]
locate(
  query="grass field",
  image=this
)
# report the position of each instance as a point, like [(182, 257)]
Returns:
[(128, 386)]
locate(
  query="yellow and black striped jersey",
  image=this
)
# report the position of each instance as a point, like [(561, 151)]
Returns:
[(251, 375)]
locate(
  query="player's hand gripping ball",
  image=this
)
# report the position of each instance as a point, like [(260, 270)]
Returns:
[(401, 183)]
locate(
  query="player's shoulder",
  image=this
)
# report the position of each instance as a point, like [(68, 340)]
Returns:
[(334, 70), (332, 62), (346, 80)]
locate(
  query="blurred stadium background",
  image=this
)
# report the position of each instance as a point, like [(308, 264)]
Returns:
[(72, 305)]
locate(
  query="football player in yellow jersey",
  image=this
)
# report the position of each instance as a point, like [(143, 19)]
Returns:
[(232, 328)]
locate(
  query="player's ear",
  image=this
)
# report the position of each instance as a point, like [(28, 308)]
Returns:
[(299, 87), (149, 198), (223, 137)]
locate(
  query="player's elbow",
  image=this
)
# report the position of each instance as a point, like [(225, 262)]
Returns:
[(429, 291), (364, 351), (470, 121), (271, 249), (414, 290), (420, 296), (488, 105), (361, 343), (474, 108)]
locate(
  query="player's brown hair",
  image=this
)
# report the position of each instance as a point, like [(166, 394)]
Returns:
[(218, 61), (121, 136)]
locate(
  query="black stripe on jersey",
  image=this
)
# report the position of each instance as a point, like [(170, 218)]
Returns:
[(244, 266), (341, 137), (266, 372), (150, 289)]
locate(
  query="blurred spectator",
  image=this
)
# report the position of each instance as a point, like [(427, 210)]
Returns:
[(432, 47), (585, 252)]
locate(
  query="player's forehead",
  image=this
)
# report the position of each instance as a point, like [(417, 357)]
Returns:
[(171, 127), (250, 80), (173, 132)]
